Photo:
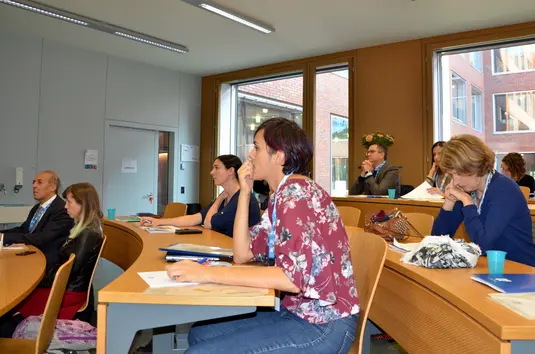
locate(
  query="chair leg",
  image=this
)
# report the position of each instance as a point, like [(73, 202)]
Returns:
[(369, 330)]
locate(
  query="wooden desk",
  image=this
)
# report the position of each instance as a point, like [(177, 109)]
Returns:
[(444, 311), (19, 275), (124, 307)]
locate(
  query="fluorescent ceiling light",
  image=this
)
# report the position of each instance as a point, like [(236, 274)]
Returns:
[(156, 44), (238, 18), (43, 12), (70, 17)]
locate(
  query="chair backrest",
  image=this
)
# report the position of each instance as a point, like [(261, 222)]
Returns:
[(405, 188), (525, 191), (350, 215), (174, 210), (421, 222), (368, 253), (53, 304), (93, 274)]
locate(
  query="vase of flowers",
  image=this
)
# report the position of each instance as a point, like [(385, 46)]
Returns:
[(377, 138)]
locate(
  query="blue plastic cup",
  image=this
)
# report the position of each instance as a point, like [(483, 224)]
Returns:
[(496, 259), (111, 213), (391, 194)]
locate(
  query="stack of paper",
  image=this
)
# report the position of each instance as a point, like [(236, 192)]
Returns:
[(523, 304), (421, 193)]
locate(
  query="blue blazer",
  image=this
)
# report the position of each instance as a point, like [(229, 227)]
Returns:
[(504, 223)]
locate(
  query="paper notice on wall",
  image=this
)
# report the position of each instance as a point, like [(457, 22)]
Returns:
[(129, 166), (91, 160), (189, 153)]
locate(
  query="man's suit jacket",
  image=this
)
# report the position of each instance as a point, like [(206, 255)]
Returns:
[(388, 178), (49, 234)]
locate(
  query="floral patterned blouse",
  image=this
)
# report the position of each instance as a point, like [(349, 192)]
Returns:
[(312, 248)]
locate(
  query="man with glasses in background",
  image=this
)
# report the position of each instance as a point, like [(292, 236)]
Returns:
[(378, 176)]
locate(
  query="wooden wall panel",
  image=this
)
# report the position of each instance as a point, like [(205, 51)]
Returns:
[(389, 98)]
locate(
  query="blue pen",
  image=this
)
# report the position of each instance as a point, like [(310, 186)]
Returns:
[(201, 261)]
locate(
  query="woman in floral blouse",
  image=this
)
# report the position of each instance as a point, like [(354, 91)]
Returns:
[(302, 241)]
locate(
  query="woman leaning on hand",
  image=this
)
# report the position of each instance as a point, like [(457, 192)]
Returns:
[(304, 246), (492, 206)]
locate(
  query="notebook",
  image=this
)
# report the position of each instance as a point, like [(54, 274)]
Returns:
[(523, 304), (188, 249), (129, 218), (508, 283)]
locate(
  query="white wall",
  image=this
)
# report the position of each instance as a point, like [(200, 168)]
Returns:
[(54, 100)]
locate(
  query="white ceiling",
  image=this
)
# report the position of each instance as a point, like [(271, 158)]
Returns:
[(303, 28)]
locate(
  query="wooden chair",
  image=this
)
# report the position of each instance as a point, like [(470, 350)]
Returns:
[(525, 191), (368, 253), (48, 322), (82, 309), (421, 222), (174, 210), (350, 215)]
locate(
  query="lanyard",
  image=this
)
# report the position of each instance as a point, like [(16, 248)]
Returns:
[(271, 236), (378, 169), (489, 177), (437, 178)]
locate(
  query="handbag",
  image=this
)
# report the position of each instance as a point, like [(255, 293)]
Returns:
[(389, 225)]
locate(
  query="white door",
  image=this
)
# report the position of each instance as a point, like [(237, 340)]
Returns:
[(130, 170)]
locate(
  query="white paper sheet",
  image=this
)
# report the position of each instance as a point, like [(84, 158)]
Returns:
[(421, 193), (161, 280)]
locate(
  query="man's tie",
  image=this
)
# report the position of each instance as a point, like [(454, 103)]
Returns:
[(35, 219)]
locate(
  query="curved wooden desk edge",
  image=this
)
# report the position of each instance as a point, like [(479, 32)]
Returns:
[(522, 329), (135, 250), (41, 263)]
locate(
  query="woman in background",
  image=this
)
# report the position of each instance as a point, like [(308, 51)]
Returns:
[(436, 177), (514, 166), (85, 241), (219, 215), (493, 208)]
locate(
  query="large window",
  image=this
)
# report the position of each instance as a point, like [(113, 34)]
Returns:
[(499, 109), (513, 59), (513, 112), (477, 109), (331, 129), (458, 98)]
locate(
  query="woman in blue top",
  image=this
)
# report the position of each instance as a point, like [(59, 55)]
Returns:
[(493, 208), (219, 215)]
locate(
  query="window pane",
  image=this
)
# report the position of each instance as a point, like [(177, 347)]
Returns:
[(458, 97), (529, 157), (477, 109), (476, 60), (256, 102), (331, 129), (513, 113), (513, 59)]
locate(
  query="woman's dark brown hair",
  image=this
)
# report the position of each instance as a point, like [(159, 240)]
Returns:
[(284, 135), (516, 164)]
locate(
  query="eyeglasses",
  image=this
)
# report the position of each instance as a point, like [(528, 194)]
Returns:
[(370, 152)]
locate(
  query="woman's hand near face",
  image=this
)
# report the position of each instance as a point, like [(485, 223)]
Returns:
[(245, 176), (432, 171)]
